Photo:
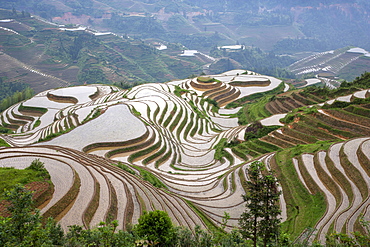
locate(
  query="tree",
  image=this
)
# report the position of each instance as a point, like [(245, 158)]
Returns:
[(23, 220), (156, 226), (14, 12), (260, 219), (24, 227)]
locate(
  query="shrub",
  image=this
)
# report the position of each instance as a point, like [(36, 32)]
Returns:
[(155, 226), (36, 165)]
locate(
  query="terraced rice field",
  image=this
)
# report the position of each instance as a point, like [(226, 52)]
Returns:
[(171, 131), (332, 61), (344, 179)]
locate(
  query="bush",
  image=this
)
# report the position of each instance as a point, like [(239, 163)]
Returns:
[(36, 165), (156, 227)]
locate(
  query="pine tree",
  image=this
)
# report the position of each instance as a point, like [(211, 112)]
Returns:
[(261, 217)]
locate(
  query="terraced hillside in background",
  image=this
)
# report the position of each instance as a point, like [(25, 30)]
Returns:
[(346, 64), (181, 147), (284, 26), (45, 56)]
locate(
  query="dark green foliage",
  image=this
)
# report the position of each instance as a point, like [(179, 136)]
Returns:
[(197, 41), (23, 221), (156, 227), (37, 123), (212, 102), (356, 239), (257, 130), (358, 110), (96, 112), (24, 226), (196, 110), (134, 24), (288, 118), (10, 97), (260, 222), (5, 130), (337, 104), (105, 235), (92, 75), (36, 165), (3, 143), (185, 237), (125, 168), (362, 81)]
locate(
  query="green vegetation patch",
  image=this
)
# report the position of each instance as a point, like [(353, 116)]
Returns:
[(298, 114), (9, 176), (206, 79), (179, 91), (3, 143), (151, 178), (53, 135), (257, 130), (8, 99), (254, 111), (125, 168), (37, 123), (221, 153), (304, 209), (358, 110), (31, 109), (254, 105)]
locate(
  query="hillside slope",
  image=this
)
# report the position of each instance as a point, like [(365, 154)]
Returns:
[(204, 24), (48, 56), (193, 153), (346, 63)]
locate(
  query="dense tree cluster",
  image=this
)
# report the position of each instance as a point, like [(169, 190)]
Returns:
[(15, 97)]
